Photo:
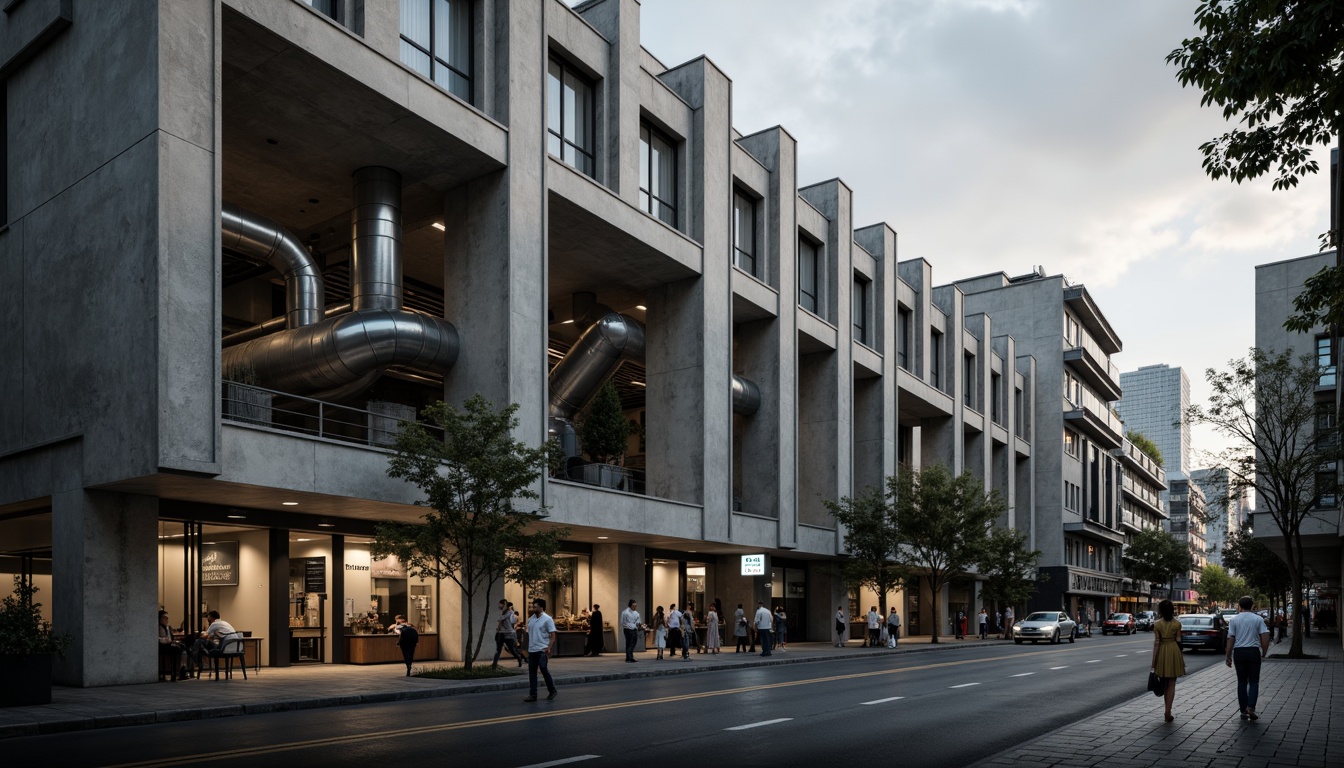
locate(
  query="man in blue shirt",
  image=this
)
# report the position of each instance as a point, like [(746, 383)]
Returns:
[(1247, 644)]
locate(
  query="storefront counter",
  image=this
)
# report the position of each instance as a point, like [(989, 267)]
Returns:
[(383, 649)]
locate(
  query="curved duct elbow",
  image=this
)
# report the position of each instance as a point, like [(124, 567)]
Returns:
[(575, 379), (746, 396), (262, 240)]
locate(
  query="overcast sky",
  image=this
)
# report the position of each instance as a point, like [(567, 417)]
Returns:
[(1001, 134)]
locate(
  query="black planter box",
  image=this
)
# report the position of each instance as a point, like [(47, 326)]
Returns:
[(25, 680)]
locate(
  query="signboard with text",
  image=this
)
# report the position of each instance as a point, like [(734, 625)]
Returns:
[(219, 564), (753, 565), (314, 574)]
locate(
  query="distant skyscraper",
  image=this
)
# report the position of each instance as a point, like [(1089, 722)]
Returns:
[(1222, 505), (1154, 403)]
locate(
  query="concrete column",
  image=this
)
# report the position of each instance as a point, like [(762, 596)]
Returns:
[(277, 630), (825, 593), (104, 585), (875, 405), (618, 576), (618, 21)]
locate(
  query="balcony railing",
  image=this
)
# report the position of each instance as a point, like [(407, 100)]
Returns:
[(606, 476), (377, 427), (1093, 364), (1096, 417)]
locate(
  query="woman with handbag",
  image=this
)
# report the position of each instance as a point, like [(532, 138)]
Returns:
[(659, 631), (1168, 662)]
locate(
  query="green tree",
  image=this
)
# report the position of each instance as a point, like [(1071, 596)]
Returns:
[(605, 431), (1277, 67), (1157, 557), (872, 539), (1263, 570), (1009, 568), (941, 523), (1145, 445), (1216, 585), (477, 481), (1265, 405)]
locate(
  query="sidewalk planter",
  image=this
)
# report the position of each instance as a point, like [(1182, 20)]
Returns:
[(25, 679)]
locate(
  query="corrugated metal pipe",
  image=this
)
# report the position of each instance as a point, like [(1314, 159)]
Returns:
[(338, 357)]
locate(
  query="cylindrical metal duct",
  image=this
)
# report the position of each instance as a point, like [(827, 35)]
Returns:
[(575, 379), (746, 396), (375, 250), (276, 324), (260, 239)]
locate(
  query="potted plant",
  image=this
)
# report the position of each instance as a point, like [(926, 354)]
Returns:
[(242, 400), (27, 645), (604, 436)]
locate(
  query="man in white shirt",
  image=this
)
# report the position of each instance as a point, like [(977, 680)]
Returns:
[(213, 638), (540, 645), (1247, 644), (763, 623), (874, 626), (630, 624), (1007, 623)]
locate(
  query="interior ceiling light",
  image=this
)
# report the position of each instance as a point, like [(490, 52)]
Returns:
[(439, 227), (303, 539), (604, 537), (326, 524), (289, 503), (639, 384), (566, 322), (237, 517), (641, 308)]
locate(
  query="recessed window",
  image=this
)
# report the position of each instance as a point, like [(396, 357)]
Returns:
[(744, 233), (329, 8), (657, 174), (809, 256), (569, 117), (1071, 334), (859, 304), (905, 320), (936, 359), (1325, 361), (995, 398), (436, 42), (1071, 443), (1072, 390), (968, 380)]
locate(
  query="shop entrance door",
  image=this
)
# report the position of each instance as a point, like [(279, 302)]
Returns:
[(788, 588)]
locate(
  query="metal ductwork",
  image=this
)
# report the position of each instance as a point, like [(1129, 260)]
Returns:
[(259, 239), (338, 357), (746, 396)]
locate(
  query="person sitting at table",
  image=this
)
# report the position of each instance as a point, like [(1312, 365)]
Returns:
[(171, 648), (212, 638)]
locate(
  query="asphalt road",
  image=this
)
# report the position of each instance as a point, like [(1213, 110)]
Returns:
[(945, 708)]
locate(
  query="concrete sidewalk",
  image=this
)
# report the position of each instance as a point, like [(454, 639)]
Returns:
[(1301, 709), (326, 685)]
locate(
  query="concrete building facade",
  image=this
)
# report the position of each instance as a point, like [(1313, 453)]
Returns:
[(1155, 402), (1226, 510), (1189, 524), (251, 236)]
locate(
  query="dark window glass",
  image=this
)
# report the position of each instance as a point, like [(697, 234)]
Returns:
[(569, 118), (1325, 361), (968, 380), (436, 41), (859, 304), (1325, 487), (744, 233), (904, 321), (657, 175), (936, 359), (995, 398), (808, 257), (328, 8)]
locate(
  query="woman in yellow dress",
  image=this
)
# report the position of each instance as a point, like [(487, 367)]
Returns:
[(1168, 662)]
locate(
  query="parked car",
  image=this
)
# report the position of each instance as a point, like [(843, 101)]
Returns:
[(1119, 623), (1044, 625), (1199, 633), (1143, 620)]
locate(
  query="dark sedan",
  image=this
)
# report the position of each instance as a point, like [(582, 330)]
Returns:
[(1199, 633), (1119, 623)]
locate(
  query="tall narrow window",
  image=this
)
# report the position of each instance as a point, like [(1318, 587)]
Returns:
[(807, 275), (904, 321), (569, 118), (657, 174), (744, 233), (1019, 412), (436, 42), (936, 359), (1071, 443), (995, 398), (1325, 361), (329, 8), (859, 305), (968, 380)]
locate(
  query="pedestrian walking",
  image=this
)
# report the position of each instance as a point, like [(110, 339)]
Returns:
[(659, 631), (712, 640), (506, 633), (984, 624), (673, 629), (687, 632), (874, 620), (595, 642), (959, 626), (1247, 645), (781, 628), (840, 625), (740, 628), (407, 639), (540, 646), (631, 624), (1168, 662), (893, 628), (763, 623)]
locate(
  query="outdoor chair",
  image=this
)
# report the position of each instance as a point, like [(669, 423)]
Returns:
[(232, 647)]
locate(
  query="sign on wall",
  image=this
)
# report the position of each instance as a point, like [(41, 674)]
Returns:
[(314, 574), (753, 565), (219, 564)]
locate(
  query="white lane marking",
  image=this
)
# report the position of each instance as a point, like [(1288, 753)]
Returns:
[(1066, 666), (884, 701), (758, 725), (963, 685), (1093, 661), (565, 761), (1121, 655), (1025, 674)]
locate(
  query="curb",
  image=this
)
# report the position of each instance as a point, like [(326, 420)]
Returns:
[(289, 705)]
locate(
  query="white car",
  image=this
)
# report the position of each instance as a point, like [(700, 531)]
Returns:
[(1054, 626)]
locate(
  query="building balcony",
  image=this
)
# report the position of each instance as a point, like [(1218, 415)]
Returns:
[(1093, 366), (1080, 301), (1095, 419), (1095, 530), (1136, 461), (1141, 495), (920, 400)]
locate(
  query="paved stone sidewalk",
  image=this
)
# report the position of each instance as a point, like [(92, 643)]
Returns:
[(1301, 709), (327, 685)]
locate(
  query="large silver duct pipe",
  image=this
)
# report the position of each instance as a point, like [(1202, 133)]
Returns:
[(575, 379), (340, 356), (746, 396), (277, 324), (262, 240)]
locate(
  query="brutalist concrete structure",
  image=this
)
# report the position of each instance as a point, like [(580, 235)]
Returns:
[(242, 239)]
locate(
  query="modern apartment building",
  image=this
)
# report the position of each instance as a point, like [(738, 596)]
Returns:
[(253, 235), (1189, 523), (1155, 402), (1077, 521), (1143, 483), (1225, 508)]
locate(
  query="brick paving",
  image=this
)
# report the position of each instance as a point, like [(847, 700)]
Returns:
[(1301, 709)]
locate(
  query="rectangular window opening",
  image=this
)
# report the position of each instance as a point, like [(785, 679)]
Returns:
[(570, 136), (657, 174), (859, 304), (744, 234), (809, 257), (436, 40)]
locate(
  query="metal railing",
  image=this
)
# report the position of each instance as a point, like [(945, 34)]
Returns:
[(1090, 346), (606, 476), (249, 404)]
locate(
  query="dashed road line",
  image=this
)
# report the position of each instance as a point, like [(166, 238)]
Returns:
[(1066, 666), (963, 685), (884, 701), (1024, 674), (565, 761), (758, 725), (1092, 661)]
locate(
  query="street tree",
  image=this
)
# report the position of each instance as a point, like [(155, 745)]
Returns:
[(941, 523), (1009, 567), (480, 525), (1265, 405), (1263, 570), (1277, 68), (1216, 585), (873, 542), (1157, 557)]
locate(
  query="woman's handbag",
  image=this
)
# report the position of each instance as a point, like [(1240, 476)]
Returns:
[(1156, 684)]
